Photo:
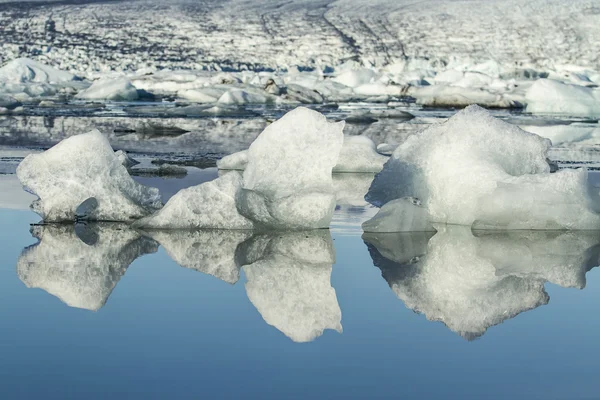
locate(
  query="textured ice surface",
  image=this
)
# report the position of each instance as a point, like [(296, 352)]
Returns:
[(208, 205), (406, 214), (359, 154), (478, 171), (23, 70), (82, 167), (549, 96), (211, 251), (471, 282), (110, 89), (287, 182), (81, 265), (289, 282)]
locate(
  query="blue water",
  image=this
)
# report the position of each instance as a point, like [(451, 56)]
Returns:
[(169, 332)]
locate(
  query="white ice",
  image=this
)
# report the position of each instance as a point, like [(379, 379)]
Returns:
[(478, 171), (119, 89), (79, 168), (549, 96)]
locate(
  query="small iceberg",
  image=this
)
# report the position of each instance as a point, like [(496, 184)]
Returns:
[(546, 96)]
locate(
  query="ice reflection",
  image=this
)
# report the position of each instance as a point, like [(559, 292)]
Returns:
[(81, 264), (471, 281)]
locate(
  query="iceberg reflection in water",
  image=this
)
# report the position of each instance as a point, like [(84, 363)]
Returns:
[(472, 280), (288, 273), (81, 264)]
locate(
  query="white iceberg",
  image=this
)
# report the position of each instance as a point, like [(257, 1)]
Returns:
[(119, 89), (287, 182), (289, 282), (472, 281), (24, 70), (81, 265), (211, 205), (549, 96), (81, 168), (401, 215), (358, 154), (478, 171)]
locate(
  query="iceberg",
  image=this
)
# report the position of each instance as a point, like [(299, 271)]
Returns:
[(471, 281), (478, 171), (288, 281), (81, 264), (210, 205), (549, 96), (24, 70), (110, 89), (84, 167), (287, 182), (359, 154)]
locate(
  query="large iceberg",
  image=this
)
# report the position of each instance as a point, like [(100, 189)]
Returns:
[(478, 171), (24, 70), (82, 176), (120, 89), (289, 282), (81, 264), (472, 281), (549, 96), (287, 183)]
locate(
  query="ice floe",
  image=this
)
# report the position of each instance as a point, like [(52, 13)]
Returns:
[(478, 171), (84, 167), (549, 96), (110, 89)]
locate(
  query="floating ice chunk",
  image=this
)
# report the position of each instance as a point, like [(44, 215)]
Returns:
[(81, 167), (240, 97), (386, 149), (478, 171), (81, 264), (110, 89), (8, 102), (453, 96), (210, 205), (235, 161), (24, 70), (356, 77), (289, 282), (301, 94), (472, 281), (359, 154), (212, 251), (199, 95), (287, 183), (400, 215), (548, 96)]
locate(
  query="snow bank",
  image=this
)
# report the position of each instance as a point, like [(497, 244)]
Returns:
[(24, 70), (289, 282), (80, 168), (471, 282), (208, 205), (548, 96), (81, 265), (110, 89), (212, 252), (478, 171), (287, 183)]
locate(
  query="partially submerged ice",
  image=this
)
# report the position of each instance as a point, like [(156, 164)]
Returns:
[(83, 170), (478, 171), (81, 264), (472, 281), (554, 97), (287, 182), (120, 89)]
